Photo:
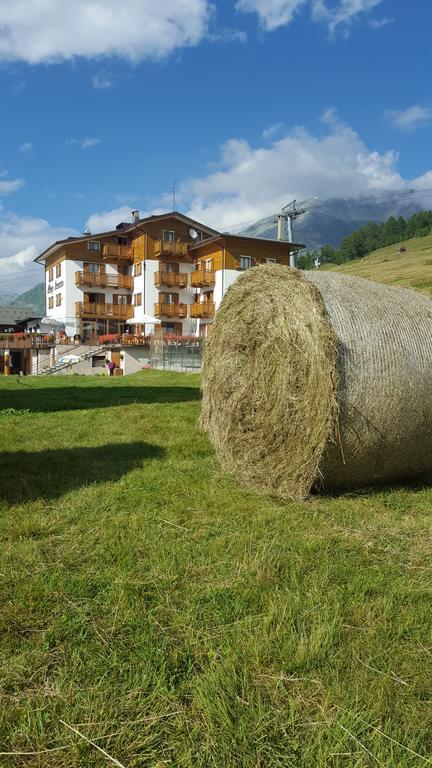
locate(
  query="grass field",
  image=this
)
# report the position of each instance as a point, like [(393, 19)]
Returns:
[(412, 269), (175, 619)]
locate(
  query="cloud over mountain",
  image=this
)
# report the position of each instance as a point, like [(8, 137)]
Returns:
[(254, 181)]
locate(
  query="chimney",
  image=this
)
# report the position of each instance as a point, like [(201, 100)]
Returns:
[(135, 216)]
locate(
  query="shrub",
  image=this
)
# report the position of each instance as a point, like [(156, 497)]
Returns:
[(109, 338)]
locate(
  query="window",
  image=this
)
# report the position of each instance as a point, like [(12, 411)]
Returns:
[(209, 264), (138, 269), (168, 234), (58, 299), (245, 262), (58, 270), (271, 261), (51, 274), (166, 266), (170, 298), (122, 241), (94, 245), (51, 302), (122, 299), (90, 266), (137, 299)]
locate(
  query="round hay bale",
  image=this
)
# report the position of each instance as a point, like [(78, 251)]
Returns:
[(317, 380)]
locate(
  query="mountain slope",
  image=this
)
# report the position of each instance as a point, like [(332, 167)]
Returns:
[(411, 269), (34, 297), (327, 222)]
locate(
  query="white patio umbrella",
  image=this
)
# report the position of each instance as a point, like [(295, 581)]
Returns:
[(142, 320), (52, 322)]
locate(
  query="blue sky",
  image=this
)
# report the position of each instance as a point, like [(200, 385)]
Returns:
[(247, 104)]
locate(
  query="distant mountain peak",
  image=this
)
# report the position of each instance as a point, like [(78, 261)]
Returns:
[(328, 221)]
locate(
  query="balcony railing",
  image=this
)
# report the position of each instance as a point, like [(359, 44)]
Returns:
[(170, 279), (102, 280), (202, 278), (204, 309), (170, 310), (91, 309), (29, 341), (170, 248), (113, 251)]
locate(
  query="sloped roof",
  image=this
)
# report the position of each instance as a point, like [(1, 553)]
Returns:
[(262, 240), (13, 314), (136, 225)]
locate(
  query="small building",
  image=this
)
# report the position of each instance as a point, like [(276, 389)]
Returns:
[(13, 318)]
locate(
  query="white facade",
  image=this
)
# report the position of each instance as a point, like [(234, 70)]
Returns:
[(66, 294), (144, 284), (71, 294)]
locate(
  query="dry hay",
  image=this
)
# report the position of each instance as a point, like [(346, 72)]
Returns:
[(319, 380)]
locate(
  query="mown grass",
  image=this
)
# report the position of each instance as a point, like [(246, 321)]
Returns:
[(411, 269), (176, 619)]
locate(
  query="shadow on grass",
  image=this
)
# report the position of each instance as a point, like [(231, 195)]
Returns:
[(27, 476), (76, 397)]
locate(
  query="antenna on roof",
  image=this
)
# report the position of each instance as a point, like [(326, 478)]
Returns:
[(174, 194), (86, 232)]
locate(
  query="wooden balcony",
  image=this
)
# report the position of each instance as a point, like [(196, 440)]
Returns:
[(171, 248), (170, 279), (102, 280), (113, 251), (204, 309), (203, 278), (29, 341), (116, 311), (170, 310)]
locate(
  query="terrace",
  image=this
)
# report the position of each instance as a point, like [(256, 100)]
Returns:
[(202, 309), (202, 278), (25, 341), (170, 279), (102, 280), (93, 309), (170, 310)]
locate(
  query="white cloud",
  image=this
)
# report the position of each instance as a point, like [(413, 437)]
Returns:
[(107, 220), (272, 13), (277, 13), (83, 143), (272, 131), (253, 182), (7, 186), (409, 118), (89, 143), (21, 239), (27, 146), (101, 81), (228, 35), (59, 30), (379, 23)]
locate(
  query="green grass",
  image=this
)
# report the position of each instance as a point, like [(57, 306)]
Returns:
[(178, 620), (411, 269)]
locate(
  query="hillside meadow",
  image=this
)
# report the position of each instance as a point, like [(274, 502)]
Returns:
[(410, 269), (174, 619)]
